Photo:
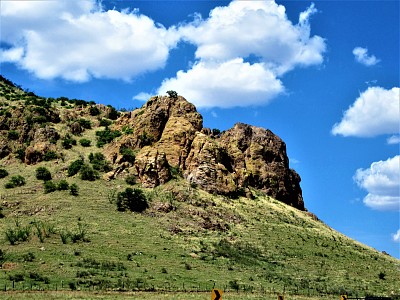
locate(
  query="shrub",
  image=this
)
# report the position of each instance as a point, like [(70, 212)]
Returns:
[(18, 234), (13, 135), (30, 257), (15, 181), (131, 180), (105, 122), (74, 189), (74, 167), (20, 154), (94, 111), (113, 113), (106, 136), (146, 139), (63, 185), (172, 94), (68, 142), (43, 174), (50, 155), (3, 173), (85, 123), (87, 173), (99, 162), (131, 199), (49, 187), (127, 154), (85, 142)]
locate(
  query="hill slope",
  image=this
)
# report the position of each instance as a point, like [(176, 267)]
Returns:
[(187, 238)]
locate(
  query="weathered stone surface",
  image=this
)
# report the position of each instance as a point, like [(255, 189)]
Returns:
[(259, 160), (35, 153), (229, 163), (152, 167)]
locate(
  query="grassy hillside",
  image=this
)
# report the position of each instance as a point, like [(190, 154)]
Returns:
[(187, 240)]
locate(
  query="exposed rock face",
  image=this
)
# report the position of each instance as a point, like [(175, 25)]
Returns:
[(167, 133), (259, 160)]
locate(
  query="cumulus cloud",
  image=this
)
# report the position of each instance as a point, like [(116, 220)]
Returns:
[(361, 56), (375, 112), (223, 75), (79, 41), (382, 182), (396, 236), (242, 49), (228, 84)]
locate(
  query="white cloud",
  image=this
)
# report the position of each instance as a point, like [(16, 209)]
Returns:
[(394, 139), (228, 84), (259, 28), (382, 182), (78, 42), (11, 55), (304, 16), (396, 236), (142, 96), (222, 77), (375, 112), (361, 56)]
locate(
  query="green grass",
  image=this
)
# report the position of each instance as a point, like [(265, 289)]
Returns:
[(149, 296), (186, 240)]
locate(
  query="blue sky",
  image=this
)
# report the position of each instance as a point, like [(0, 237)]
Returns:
[(324, 76)]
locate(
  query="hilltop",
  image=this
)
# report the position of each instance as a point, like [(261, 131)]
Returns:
[(220, 208)]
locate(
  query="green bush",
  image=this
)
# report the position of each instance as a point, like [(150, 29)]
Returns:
[(105, 122), (18, 234), (131, 199), (50, 155), (113, 113), (68, 142), (43, 174), (88, 173), (131, 180), (20, 154), (74, 167), (94, 111), (49, 187), (172, 94), (128, 155), (99, 162), (62, 185), (106, 136), (13, 135), (85, 123), (3, 173), (15, 181), (85, 142), (74, 189)]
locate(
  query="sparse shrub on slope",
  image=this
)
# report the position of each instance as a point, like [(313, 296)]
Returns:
[(127, 154), (3, 173), (74, 189), (74, 167), (131, 199), (99, 162), (43, 174), (85, 142), (106, 136), (15, 181), (49, 187), (87, 173)]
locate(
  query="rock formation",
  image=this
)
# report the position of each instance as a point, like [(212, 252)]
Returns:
[(167, 134)]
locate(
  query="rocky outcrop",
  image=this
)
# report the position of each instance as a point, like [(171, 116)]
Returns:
[(167, 133)]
